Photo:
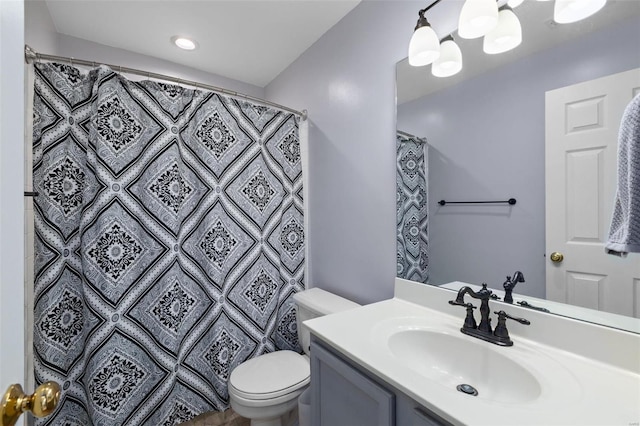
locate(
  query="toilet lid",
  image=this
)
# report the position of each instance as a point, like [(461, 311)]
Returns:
[(270, 375)]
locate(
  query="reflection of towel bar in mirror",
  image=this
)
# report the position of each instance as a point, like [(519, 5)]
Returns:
[(510, 201)]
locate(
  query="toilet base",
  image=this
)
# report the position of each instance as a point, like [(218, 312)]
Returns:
[(282, 411), (267, 422), (288, 419)]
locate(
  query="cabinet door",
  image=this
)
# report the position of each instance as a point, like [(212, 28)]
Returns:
[(343, 396), (410, 413)]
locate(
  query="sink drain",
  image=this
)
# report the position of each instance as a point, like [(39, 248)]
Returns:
[(468, 389)]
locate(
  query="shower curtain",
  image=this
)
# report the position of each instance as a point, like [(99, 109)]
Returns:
[(411, 209), (169, 243)]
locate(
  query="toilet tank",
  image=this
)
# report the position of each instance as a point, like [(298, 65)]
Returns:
[(315, 303)]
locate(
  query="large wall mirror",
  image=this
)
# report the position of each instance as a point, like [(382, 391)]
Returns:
[(486, 130)]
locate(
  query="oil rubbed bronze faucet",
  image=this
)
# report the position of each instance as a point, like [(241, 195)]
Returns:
[(509, 285), (499, 336)]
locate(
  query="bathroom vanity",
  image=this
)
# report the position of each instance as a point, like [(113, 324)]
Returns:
[(345, 394), (404, 361)]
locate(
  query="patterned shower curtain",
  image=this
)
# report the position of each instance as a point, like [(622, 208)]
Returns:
[(169, 243), (411, 209)]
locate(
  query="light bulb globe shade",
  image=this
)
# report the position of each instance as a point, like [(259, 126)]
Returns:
[(514, 3), (506, 36), (567, 11), (450, 61), (477, 18), (424, 47)]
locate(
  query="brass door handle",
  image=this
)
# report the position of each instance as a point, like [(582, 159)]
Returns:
[(15, 402), (556, 257)]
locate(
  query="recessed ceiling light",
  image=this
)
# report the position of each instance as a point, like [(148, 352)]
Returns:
[(184, 43)]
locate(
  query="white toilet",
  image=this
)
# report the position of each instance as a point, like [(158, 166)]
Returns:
[(265, 389)]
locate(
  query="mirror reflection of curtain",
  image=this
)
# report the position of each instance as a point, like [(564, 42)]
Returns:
[(411, 208), (169, 243)]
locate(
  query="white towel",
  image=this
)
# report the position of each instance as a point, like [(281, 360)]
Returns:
[(624, 234)]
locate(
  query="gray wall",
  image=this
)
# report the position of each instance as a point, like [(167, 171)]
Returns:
[(486, 139), (39, 31), (347, 82)]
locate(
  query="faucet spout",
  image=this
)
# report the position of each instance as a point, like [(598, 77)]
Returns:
[(518, 277), (483, 293), (462, 292)]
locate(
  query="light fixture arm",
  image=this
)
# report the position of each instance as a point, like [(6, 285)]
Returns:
[(422, 21), (430, 6)]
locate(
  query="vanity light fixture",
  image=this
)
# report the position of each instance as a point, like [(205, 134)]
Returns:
[(184, 43), (424, 47), (567, 11), (506, 35), (477, 18), (450, 61), (501, 29)]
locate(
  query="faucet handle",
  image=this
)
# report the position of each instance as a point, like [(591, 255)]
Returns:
[(501, 333), (503, 314), (466, 305), (469, 320), (526, 304)]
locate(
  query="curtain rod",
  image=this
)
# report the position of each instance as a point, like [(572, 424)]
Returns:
[(409, 135), (31, 55)]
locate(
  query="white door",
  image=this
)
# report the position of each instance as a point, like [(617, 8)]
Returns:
[(582, 124), (12, 328)]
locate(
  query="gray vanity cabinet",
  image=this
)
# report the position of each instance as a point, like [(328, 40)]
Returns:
[(410, 413), (340, 395), (344, 395)]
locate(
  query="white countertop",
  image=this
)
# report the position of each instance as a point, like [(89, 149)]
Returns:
[(575, 388)]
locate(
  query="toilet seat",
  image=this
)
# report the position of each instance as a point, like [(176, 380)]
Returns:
[(273, 377)]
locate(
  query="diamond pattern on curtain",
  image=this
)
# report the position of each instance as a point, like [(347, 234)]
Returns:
[(412, 242), (169, 243)]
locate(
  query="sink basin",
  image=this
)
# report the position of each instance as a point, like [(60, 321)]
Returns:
[(452, 360)]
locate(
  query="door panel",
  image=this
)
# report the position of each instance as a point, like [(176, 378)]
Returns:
[(12, 341), (582, 124), (584, 289), (584, 195)]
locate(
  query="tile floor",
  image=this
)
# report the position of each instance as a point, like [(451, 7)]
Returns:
[(215, 418)]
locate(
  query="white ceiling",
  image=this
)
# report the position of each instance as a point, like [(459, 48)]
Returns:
[(539, 32), (250, 41)]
